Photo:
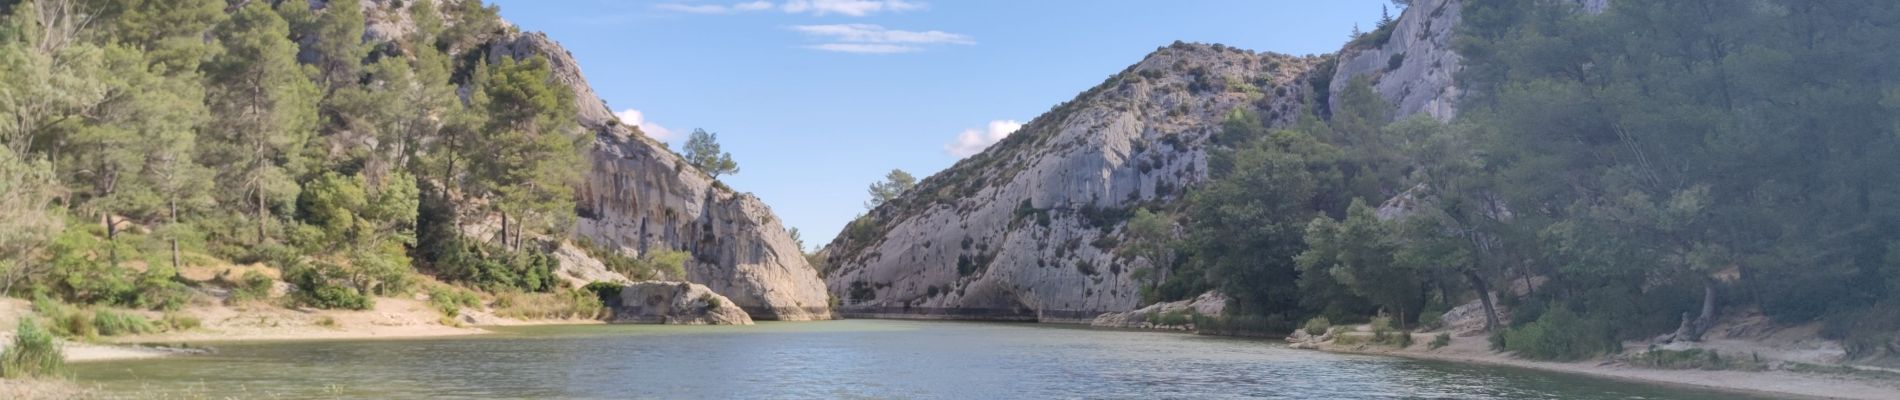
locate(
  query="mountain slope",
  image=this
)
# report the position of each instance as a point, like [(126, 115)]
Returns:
[(1031, 228), (638, 196), (1028, 228)]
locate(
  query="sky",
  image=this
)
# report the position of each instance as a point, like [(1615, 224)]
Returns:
[(817, 99)]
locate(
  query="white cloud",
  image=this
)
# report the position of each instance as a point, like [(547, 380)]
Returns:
[(694, 8), (865, 48), (652, 130), (855, 8), (760, 5), (972, 141), (869, 38)]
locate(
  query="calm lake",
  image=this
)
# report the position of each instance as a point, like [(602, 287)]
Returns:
[(835, 359)]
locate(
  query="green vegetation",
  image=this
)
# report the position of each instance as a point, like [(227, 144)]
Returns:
[(32, 354), (894, 184), (702, 152), (147, 137), (450, 301), (1698, 359), (1439, 341), (1317, 326), (569, 304)]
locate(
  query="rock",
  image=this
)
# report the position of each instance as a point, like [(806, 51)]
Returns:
[(1210, 304), (579, 269), (1422, 81), (676, 303), (1028, 229), (638, 196)]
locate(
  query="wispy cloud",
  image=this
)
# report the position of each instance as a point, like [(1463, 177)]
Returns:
[(876, 39), (695, 8), (972, 141), (855, 8), (653, 130)]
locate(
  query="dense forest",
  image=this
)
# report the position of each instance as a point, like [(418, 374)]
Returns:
[(146, 136), (1611, 176)]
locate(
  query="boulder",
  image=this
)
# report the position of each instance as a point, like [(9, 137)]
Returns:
[(1210, 303), (676, 303)]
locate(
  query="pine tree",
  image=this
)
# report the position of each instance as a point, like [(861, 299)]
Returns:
[(265, 111)]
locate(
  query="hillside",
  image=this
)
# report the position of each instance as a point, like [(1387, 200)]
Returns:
[(1571, 179)]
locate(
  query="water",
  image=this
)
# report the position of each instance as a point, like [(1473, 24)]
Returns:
[(837, 359)]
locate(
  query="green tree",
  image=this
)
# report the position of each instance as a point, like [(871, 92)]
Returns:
[(894, 184), (527, 158), (702, 152), (1150, 236), (1243, 239), (339, 43), (28, 217), (265, 111), (1358, 253)]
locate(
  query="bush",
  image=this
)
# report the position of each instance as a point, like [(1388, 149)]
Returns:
[(449, 301), (1173, 318), (253, 286), (32, 354), (1441, 340), (1697, 359), (606, 291), (320, 286), (577, 303), (1561, 335), (114, 323), (1381, 327), (1317, 326), (175, 322)]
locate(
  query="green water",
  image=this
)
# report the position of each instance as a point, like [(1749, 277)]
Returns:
[(837, 359)]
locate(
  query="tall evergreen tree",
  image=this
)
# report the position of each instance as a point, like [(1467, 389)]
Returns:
[(265, 110)]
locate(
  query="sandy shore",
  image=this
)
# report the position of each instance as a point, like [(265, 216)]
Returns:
[(1777, 383), (391, 318)]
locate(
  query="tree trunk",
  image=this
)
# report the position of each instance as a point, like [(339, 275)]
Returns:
[(173, 204), (1707, 319), (112, 237), (504, 230), (262, 214), (1484, 298)]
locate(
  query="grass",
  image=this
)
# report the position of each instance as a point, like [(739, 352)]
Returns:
[(450, 301), (114, 323), (32, 354), (569, 304), (1698, 359)]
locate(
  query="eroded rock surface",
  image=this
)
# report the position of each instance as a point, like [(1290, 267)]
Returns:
[(676, 303), (1154, 316)]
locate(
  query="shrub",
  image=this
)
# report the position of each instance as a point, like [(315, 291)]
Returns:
[(254, 285), (177, 322), (570, 304), (1561, 335), (1172, 318), (712, 302), (114, 323), (449, 301), (1697, 359), (321, 286), (32, 354), (1317, 326), (1441, 340), (1381, 327), (606, 291)]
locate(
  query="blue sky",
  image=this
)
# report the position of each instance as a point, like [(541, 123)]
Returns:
[(817, 99)]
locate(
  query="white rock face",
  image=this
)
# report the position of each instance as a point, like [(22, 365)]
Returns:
[(676, 303), (638, 196), (1029, 229), (1208, 304), (1422, 81)]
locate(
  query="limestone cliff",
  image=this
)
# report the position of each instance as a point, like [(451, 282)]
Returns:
[(638, 195), (1029, 229)]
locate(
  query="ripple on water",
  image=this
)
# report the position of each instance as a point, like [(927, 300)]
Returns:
[(834, 359)]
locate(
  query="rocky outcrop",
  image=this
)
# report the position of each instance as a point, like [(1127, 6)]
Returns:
[(675, 303), (1159, 315), (1029, 229), (638, 196), (1414, 67)]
